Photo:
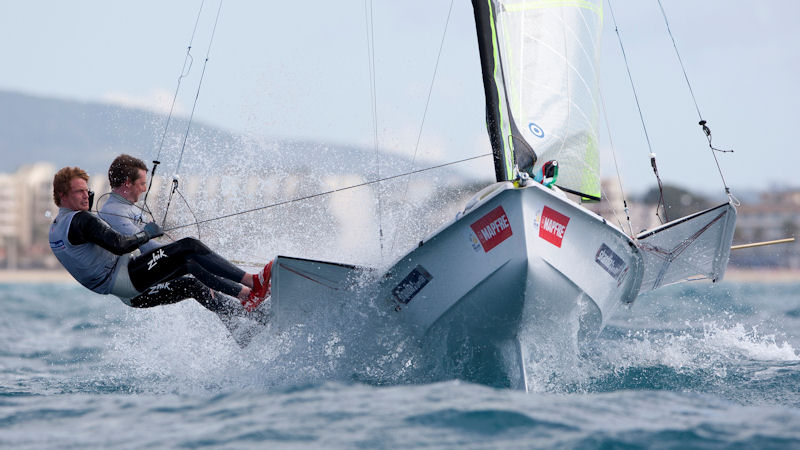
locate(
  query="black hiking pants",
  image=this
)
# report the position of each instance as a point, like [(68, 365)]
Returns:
[(160, 274)]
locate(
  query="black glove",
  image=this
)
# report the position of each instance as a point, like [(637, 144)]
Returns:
[(153, 230)]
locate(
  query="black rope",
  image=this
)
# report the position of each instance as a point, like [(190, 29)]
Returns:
[(191, 115), (199, 86), (97, 211), (630, 77), (641, 116), (185, 202), (703, 124), (320, 194), (187, 66), (374, 106), (425, 112), (660, 190)]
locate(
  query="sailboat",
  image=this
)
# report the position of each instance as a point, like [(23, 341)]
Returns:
[(524, 260)]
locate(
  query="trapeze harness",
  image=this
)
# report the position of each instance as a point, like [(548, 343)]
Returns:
[(100, 259)]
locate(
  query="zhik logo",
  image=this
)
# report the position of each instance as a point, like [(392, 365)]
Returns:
[(155, 257), (158, 287)]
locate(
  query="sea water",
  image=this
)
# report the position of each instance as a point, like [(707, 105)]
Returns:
[(693, 366)]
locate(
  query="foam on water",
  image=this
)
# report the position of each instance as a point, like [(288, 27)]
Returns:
[(84, 370), (183, 348)]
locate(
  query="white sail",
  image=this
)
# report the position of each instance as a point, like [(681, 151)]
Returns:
[(549, 56)]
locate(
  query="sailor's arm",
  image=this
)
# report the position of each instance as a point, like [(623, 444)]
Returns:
[(86, 227), (121, 221)]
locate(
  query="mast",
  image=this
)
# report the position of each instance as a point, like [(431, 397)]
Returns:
[(539, 63), (503, 133)]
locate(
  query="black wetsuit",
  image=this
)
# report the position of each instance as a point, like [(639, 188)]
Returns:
[(160, 274), (188, 256)]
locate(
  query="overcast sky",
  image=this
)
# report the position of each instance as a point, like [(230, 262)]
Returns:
[(300, 70)]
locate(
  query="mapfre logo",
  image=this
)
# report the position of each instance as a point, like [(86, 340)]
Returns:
[(552, 226), (492, 229)]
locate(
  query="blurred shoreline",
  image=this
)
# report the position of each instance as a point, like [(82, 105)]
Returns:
[(734, 274), (35, 276)]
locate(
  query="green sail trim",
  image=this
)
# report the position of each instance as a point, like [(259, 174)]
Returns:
[(548, 51), (505, 127)]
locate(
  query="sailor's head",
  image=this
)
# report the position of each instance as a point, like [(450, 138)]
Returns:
[(128, 177), (71, 189)]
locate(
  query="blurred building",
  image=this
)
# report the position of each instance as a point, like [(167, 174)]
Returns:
[(27, 207), (776, 215), (612, 207)]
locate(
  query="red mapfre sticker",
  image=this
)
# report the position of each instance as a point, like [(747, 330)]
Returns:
[(492, 229), (552, 226)]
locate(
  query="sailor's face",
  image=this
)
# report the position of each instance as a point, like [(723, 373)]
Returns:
[(77, 199), (136, 187)]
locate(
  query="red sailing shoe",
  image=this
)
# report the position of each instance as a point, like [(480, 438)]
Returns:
[(261, 288)]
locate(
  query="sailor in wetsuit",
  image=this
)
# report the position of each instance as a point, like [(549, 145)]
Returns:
[(128, 179), (101, 259)]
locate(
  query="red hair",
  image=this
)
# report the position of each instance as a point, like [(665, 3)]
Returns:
[(63, 179)]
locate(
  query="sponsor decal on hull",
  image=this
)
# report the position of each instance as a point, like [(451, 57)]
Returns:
[(552, 226), (611, 263), (492, 229), (473, 240), (411, 285)]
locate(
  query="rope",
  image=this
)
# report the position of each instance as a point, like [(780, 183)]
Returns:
[(374, 107), (191, 116), (616, 166), (143, 208), (187, 60), (187, 66), (630, 77), (320, 194), (660, 189), (425, 112), (702, 123), (639, 108)]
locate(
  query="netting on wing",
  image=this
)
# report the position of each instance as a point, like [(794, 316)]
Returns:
[(693, 247)]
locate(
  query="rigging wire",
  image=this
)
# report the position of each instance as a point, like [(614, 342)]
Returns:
[(96, 211), (641, 116), (191, 116), (187, 66), (616, 166), (425, 113), (320, 194), (374, 106), (703, 123)]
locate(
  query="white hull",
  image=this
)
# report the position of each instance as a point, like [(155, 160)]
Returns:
[(549, 263), (517, 257), (520, 269)]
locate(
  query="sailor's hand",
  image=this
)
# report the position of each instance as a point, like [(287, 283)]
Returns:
[(153, 230)]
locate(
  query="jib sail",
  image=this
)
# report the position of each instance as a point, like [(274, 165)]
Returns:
[(539, 61)]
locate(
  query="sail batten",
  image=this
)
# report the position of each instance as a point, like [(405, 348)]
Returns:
[(541, 86)]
